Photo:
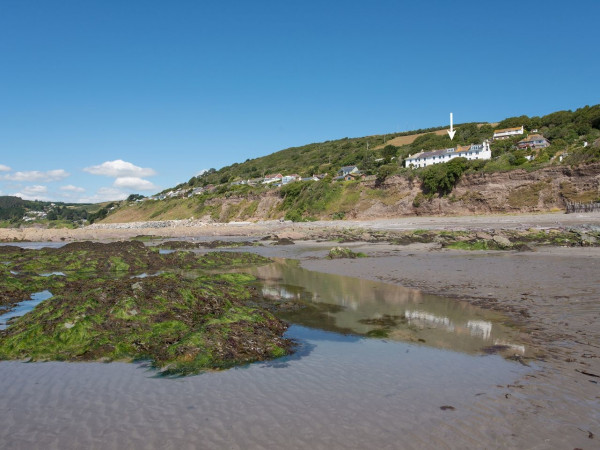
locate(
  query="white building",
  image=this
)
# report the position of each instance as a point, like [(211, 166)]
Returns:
[(506, 133), (290, 178), (474, 151)]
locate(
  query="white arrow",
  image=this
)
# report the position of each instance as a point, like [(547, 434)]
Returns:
[(451, 131)]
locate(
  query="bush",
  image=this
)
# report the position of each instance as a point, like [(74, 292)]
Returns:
[(418, 200), (441, 178), (385, 171)]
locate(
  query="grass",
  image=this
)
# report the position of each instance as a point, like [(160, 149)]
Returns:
[(527, 196)]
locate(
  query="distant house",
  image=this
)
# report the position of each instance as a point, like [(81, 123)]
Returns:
[(290, 178), (506, 133), (346, 170), (533, 141), (313, 178), (272, 178), (474, 151), (354, 176)]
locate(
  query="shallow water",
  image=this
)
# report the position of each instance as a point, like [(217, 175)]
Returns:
[(337, 392), (340, 390), (24, 307), (353, 305), (50, 274)]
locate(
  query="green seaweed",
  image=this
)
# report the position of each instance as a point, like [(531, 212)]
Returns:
[(182, 324)]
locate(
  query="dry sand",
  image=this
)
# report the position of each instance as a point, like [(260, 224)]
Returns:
[(552, 294)]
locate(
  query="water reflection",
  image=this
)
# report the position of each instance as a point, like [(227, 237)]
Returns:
[(369, 308)]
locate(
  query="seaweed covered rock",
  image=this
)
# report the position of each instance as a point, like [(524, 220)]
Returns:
[(183, 326), (100, 310), (343, 252)]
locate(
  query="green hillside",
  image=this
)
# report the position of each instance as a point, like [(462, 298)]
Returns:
[(223, 195), (567, 131)]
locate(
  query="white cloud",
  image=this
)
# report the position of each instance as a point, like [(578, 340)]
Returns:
[(36, 192), (36, 175), (119, 168), (71, 188), (4, 168), (104, 194), (135, 183), (37, 189), (202, 172)]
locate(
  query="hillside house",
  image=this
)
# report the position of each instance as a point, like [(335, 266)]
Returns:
[(347, 170), (533, 141), (290, 178), (255, 181), (273, 178), (471, 152), (506, 133)]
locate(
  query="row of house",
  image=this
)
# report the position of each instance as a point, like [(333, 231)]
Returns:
[(534, 141), (277, 179), (471, 152)]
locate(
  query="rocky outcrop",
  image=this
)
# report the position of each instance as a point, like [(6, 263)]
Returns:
[(479, 193)]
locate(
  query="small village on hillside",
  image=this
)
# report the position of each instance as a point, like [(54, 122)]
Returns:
[(532, 142)]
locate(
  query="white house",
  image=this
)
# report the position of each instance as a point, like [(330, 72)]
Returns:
[(289, 178), (272, 178), (473, 151), (506, 133)]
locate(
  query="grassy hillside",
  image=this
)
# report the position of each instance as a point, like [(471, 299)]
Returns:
[(324, 157), (574, 137)]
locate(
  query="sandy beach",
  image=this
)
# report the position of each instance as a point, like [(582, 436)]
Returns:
[(550, 294)]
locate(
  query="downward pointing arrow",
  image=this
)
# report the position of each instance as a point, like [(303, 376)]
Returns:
[(451, 131)]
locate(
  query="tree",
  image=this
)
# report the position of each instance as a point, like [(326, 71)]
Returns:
[(442, 178), (385, 171), (389, 151)]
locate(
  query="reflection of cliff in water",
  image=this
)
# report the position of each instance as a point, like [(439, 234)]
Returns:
[(371, 308)]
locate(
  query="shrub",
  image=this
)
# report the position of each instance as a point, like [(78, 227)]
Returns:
[(418, 200), (441, 178)]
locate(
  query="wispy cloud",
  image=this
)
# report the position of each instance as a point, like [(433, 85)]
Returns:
[(135, 183), (4, 168), (119, 168), (36, 175), (71, 188), (36, 192), (104, 194)]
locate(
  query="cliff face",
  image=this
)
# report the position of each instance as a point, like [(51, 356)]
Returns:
[(515, 191), (509, 192)]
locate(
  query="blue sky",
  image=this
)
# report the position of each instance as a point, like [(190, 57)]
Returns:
[(100, 99)]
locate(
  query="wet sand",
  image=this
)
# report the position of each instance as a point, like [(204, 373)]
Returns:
[(552, 294), (337, 393)]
